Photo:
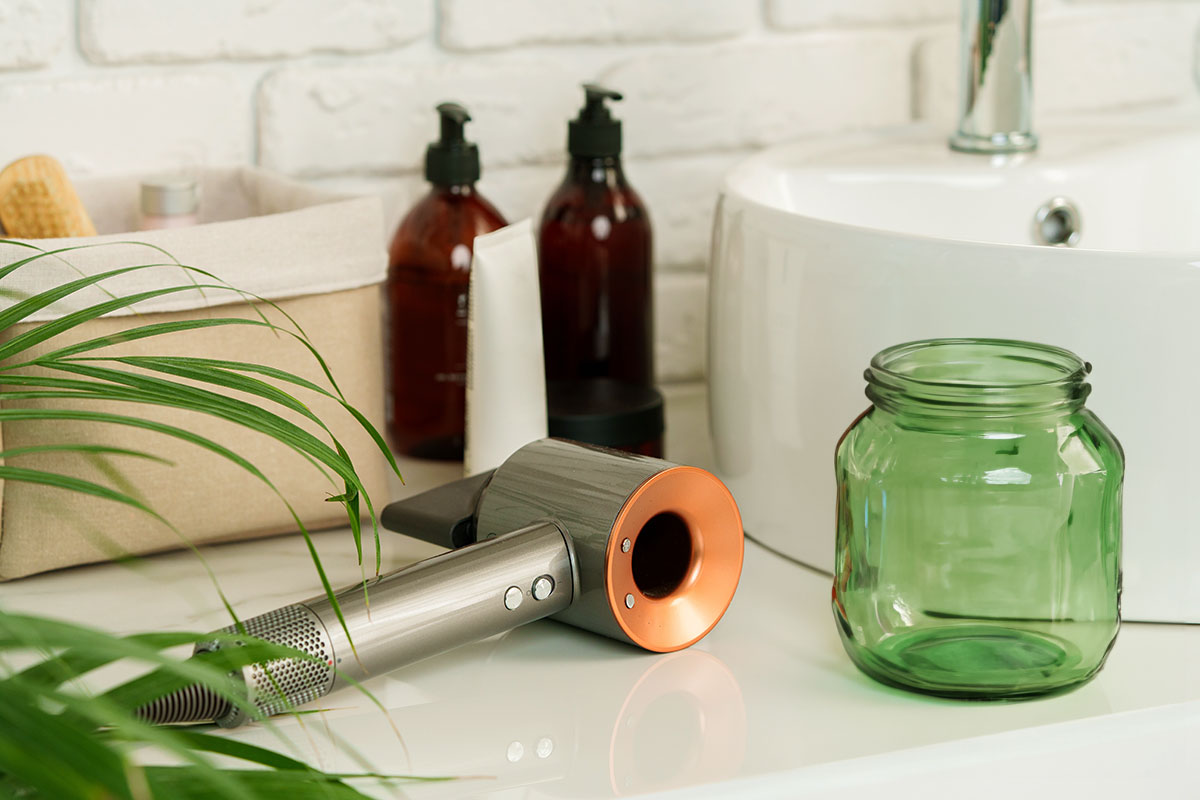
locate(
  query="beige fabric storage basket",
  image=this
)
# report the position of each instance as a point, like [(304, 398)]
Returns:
[(319, 257)]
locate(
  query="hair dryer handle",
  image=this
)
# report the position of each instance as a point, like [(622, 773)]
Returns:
[(450, 599), (415, 612)]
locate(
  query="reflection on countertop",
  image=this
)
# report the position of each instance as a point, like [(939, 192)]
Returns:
[(522, 710)]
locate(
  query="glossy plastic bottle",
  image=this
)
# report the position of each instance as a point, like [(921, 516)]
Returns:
[(429, 269), (594, 260)]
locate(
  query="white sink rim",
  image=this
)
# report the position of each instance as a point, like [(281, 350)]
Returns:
[(1067, 144)]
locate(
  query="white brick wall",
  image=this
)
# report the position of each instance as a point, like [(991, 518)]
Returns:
[(340, 92), (688, 99), (31, 32), (476, 24), (119, 31), (120, 124), (379, 118), (819, 13), (680, 318)]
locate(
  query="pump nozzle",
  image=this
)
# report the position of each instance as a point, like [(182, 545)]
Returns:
[(452, 160), (594, 107), (453, 117), (595, 133)]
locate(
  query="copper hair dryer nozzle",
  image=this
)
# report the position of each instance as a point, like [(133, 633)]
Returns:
[(657, 546)]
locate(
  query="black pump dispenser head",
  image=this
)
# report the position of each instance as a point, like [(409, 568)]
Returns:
[(595, 133), (452, 160)]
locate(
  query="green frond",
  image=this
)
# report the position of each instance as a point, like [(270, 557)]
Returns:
[(57, 738)]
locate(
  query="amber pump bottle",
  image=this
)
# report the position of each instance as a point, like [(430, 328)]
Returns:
[(429, 270), (594, 259)]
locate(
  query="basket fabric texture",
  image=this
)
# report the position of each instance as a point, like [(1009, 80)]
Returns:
[(319, 257)]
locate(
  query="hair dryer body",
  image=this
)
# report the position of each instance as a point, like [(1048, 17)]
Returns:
[(630, 547)]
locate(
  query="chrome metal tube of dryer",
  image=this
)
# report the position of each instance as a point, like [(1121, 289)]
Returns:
[(451, 599), (415, 612)]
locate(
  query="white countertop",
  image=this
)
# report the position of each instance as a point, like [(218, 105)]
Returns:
[(768, 700), (768, 705)]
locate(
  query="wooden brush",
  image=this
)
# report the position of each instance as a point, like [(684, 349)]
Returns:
[(37, 201)]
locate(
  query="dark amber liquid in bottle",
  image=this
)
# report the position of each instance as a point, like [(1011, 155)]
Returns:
[(595, 271), (429, 270)]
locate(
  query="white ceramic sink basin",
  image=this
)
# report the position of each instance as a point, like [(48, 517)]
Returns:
[(826, 253)]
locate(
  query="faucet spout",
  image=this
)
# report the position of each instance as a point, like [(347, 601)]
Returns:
[(996, 94)]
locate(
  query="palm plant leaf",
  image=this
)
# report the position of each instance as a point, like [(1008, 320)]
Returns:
[(58, 738), (80, 735)]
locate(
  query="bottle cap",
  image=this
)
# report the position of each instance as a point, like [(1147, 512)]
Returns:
[(452, 160), (604, 411), (170, 196), (595, 133)]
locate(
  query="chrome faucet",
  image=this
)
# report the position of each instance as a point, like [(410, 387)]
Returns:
[(996, 94)]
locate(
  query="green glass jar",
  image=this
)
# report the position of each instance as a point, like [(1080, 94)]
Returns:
[(978, 522)]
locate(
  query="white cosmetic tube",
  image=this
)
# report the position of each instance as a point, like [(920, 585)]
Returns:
[(506, 379)]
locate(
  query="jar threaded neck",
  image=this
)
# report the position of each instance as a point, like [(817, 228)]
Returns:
[(977, 378)]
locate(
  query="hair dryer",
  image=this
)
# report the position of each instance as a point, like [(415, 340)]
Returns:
[(631, 547)]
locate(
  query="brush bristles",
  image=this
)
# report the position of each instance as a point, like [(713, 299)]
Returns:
[(37, 201)]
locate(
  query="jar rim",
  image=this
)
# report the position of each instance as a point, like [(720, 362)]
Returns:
[(996, 376), (1064, 365)]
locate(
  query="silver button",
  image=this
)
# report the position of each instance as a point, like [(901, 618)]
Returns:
[(543, 587), (625, 545), (513, 598), (629, 601)]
